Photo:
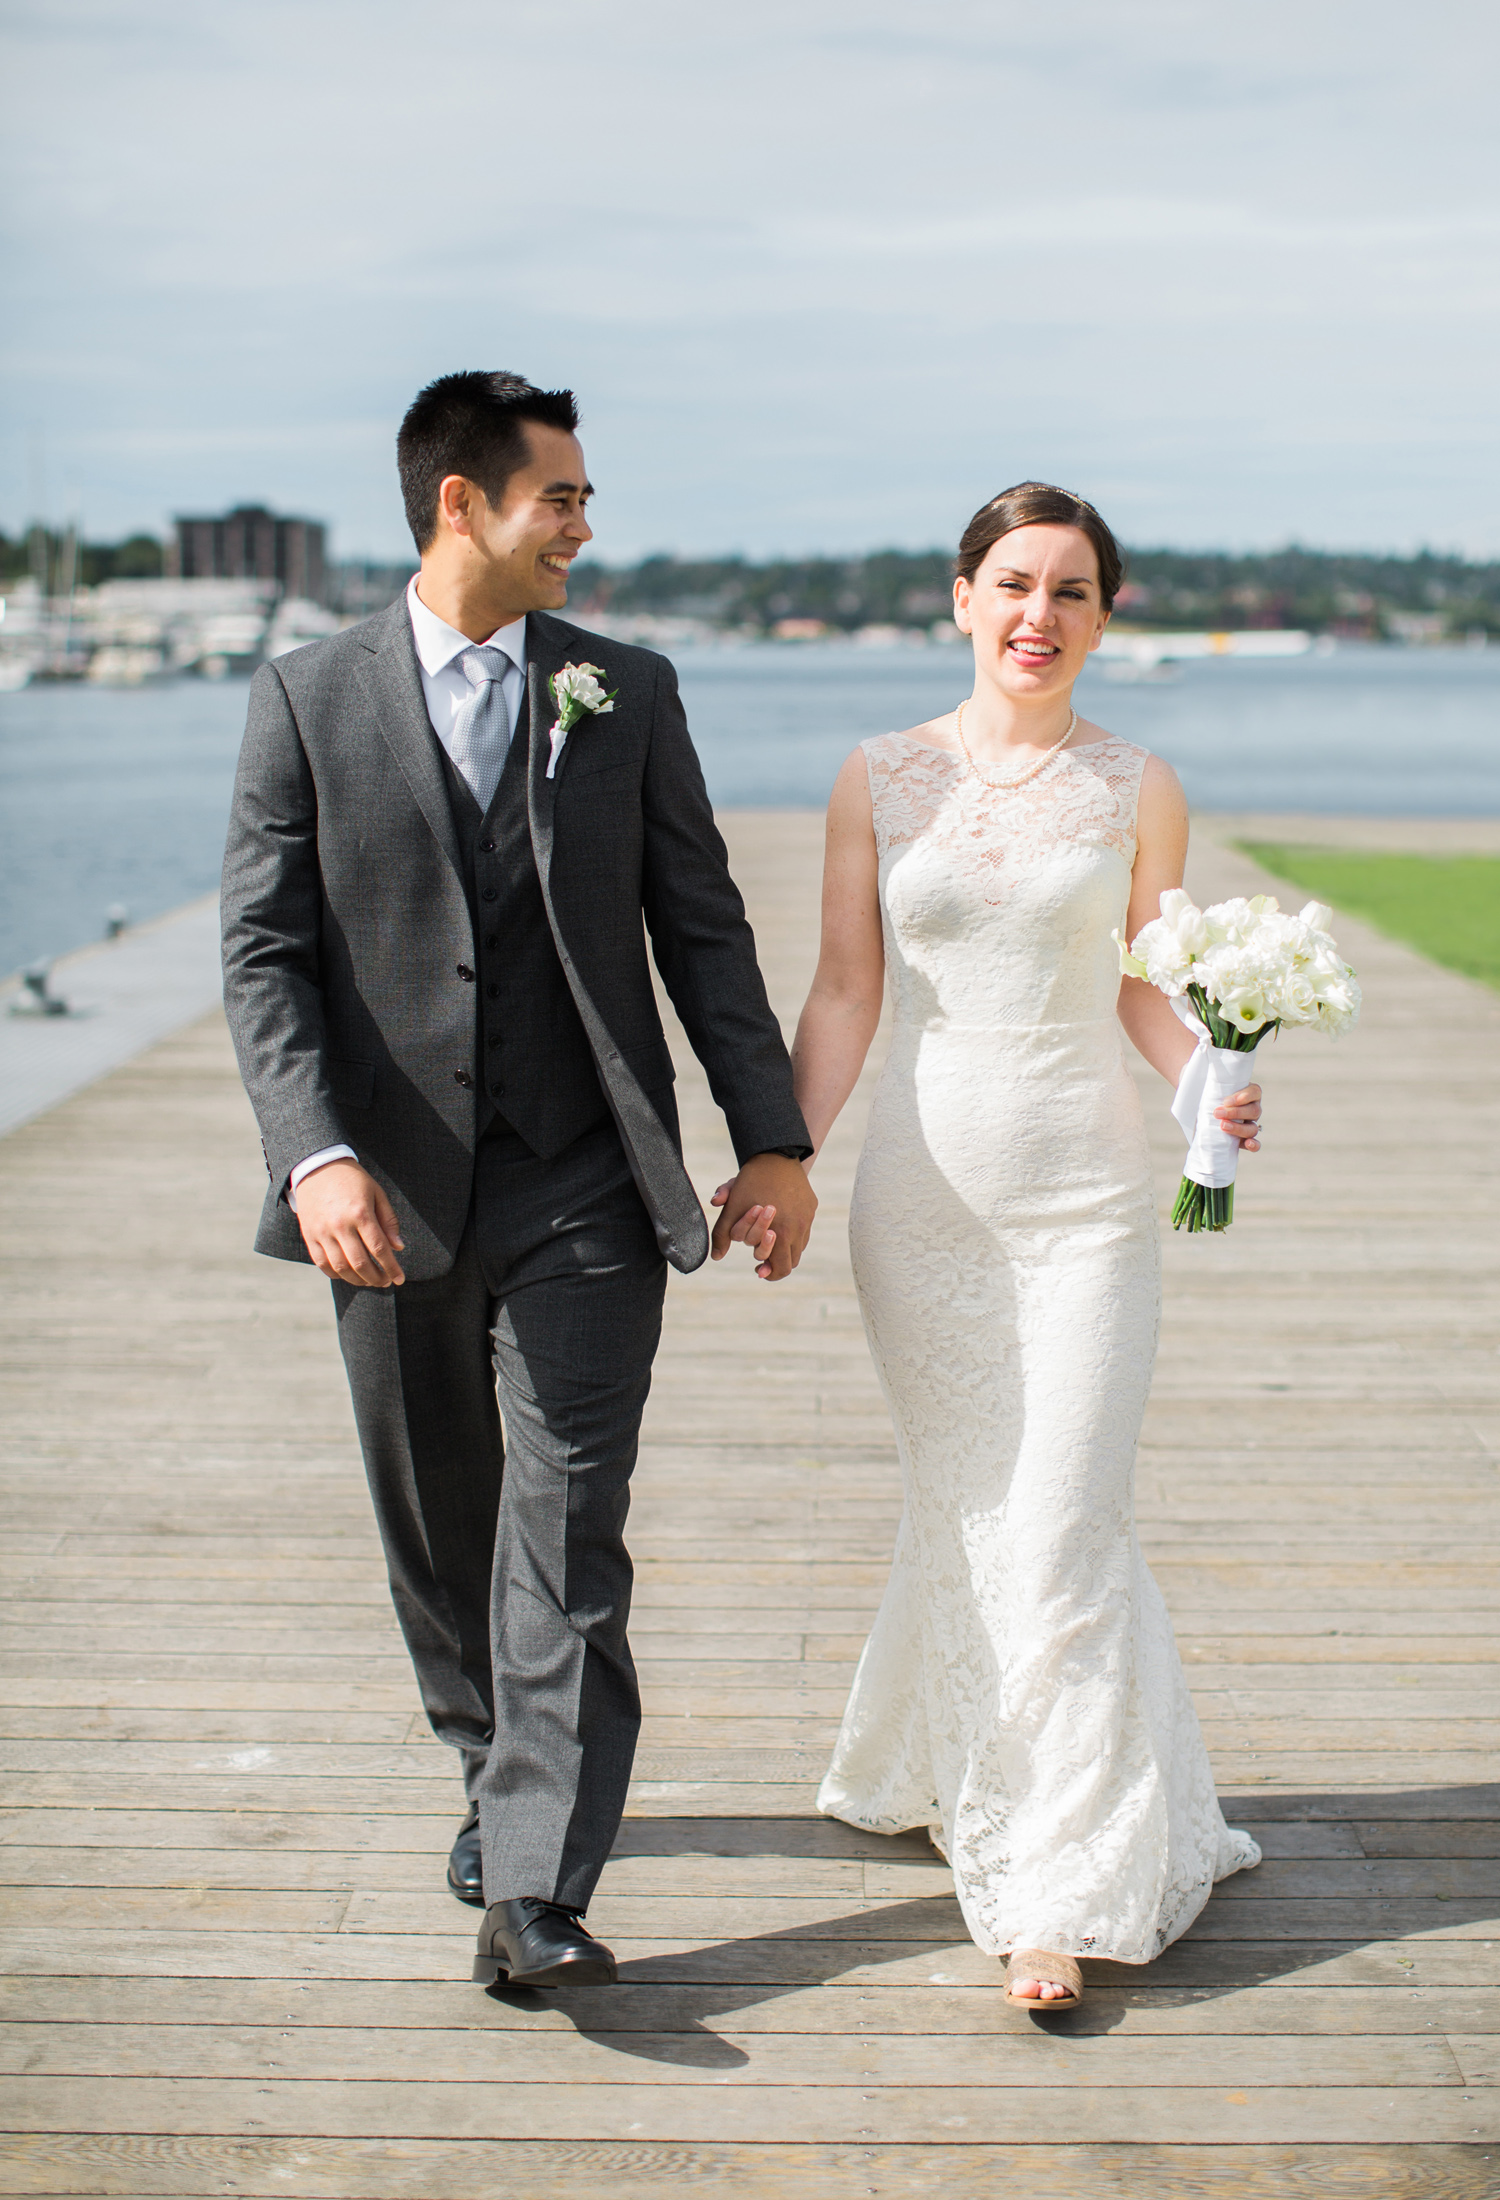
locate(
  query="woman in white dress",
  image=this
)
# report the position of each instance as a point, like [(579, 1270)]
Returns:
[(1021, 1692)]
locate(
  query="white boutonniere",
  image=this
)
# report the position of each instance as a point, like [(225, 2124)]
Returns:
[(577, 692)]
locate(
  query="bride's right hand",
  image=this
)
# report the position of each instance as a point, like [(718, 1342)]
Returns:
[(749, 1230)]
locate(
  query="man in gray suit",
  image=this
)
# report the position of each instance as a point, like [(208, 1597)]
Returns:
[(436, 892)]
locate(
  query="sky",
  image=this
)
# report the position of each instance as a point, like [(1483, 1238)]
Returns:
[(824, 276)]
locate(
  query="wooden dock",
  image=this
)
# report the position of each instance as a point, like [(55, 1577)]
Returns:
[(231, 1966)]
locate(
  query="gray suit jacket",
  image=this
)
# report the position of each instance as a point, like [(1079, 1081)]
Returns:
[(347, 929)]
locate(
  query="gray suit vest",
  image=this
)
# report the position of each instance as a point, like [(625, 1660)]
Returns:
[(535, 1067)]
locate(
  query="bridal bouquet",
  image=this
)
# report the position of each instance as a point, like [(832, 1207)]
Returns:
[(1234, 972)]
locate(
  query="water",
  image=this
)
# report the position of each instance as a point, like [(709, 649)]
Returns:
[(1361, 732), (109, 796)]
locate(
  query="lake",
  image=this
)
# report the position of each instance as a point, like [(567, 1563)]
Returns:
[(111, 796)]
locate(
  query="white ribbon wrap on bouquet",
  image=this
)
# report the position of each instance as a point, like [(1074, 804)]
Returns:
[(1209, 1076)]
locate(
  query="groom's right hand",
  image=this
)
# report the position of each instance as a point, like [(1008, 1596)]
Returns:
[(349, 1226)]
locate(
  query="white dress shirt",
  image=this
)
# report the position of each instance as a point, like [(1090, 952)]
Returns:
[(439, 647), (445, 690)]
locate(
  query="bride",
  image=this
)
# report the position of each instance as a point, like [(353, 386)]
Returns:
[(1020, 1693)]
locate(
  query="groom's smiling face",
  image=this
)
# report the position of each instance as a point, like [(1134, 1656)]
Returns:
[(526, 544)]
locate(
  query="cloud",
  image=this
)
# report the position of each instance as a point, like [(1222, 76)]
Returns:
[(822, 274)]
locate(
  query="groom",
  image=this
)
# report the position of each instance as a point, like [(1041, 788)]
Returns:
[(435, 901)]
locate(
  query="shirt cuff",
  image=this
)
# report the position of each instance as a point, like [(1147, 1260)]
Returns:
[(315, 1161)]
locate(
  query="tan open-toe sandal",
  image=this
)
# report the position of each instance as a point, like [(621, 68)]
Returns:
[(1049, 1970)]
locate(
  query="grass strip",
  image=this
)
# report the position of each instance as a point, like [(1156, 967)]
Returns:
[(1447, 907)]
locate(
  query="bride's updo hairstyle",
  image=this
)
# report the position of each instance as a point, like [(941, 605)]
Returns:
[(1038, 504)]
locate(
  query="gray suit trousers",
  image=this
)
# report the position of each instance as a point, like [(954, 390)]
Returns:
[(505, 1545)]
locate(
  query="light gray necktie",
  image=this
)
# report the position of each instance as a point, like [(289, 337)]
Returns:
[(480, 734)]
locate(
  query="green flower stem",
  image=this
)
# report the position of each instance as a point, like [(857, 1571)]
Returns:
[(1202, 1206)]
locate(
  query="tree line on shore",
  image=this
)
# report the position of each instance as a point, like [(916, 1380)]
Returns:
[(1360, 595), (43, 554)]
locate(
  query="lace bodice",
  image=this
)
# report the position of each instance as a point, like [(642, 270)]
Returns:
[(999, 901), (1084, 794)]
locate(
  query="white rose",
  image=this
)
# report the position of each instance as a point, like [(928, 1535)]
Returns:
[(1168, 964), (1234, 981), (1227, 922), (1296, 999)]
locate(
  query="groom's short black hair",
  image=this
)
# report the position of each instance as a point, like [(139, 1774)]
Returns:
[(470, 424)]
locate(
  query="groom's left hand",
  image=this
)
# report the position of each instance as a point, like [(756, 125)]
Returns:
[(770, 1205)]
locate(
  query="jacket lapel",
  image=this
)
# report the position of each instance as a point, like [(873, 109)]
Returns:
[(655, 1163), (395, 684)]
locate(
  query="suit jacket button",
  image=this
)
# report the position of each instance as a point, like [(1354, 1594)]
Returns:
[(462, 1077), (491, 893), (466, 973), (487, 847)]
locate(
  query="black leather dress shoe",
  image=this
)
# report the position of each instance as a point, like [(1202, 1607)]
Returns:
[(532, 1943), (464, 1875)]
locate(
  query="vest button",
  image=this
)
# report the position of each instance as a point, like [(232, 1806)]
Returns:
[(492, 939), (491, 893), (462, 1077), (487, 847), (466, 973), (493, 992)]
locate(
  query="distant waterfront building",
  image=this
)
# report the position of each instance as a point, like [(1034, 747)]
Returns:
[(252, 544), (361, 586)]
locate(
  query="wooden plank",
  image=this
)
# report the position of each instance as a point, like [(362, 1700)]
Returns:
[(310, 1796), (928, 1918), (202, 1726), (1397, 1837), (1014, 2057), (403, 1871), (1279, 1879), (456, 2170), (323, 1762), (1037, 2113), (161, 2167), (325, 1830), (400, 2006), (172, 1949), (97, 1910)]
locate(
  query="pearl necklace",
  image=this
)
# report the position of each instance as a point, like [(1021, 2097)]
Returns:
[(1021, 777)]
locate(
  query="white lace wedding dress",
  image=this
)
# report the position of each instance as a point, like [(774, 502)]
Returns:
[(1021, 1692)]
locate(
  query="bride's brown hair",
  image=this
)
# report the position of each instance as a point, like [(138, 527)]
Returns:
[(1039, 504)]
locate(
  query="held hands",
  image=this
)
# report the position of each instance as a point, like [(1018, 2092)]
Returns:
[(769, 1190), (349, 1226), (1240, 1116)]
